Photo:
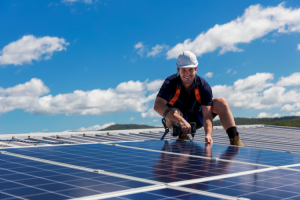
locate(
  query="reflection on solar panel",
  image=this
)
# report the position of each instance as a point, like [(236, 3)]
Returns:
[(170, 169)]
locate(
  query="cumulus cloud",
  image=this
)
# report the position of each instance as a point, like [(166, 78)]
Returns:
[(255, 23), (130, 86), (289, 107), (154, 85), (267, 115), (295, 113), (266, 40), (95, 127), (31, 97), (299, 47), (73, 1), (291, 80), (256, 92), (131, 118), (140, 48), (30, 48), (150, 113), (157, 49), (209, 74)]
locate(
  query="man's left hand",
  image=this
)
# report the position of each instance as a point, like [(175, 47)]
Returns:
[(208, 139)]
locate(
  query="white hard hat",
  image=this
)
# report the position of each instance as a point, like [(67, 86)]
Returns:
[(187, 60)]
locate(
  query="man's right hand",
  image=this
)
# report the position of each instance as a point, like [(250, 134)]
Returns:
[(185, 126)]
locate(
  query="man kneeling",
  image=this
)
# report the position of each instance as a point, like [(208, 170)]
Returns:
[(186, 97)]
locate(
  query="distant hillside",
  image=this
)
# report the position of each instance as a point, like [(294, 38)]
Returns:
[(293, 121), (127, 126)]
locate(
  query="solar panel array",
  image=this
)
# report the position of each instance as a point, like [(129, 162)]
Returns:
[(155, 169)]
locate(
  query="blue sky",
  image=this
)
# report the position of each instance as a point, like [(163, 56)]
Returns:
[(80, 65)]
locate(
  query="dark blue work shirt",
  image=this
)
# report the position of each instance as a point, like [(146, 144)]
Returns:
[(168, 90)]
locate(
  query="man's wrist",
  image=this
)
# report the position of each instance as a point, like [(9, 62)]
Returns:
[(166, 112)]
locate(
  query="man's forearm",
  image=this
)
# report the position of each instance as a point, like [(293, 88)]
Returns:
[(208, 126), (160, 107)]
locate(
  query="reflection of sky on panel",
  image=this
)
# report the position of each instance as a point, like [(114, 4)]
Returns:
[(275, 184), (143, 164), (36, 180), (266, 157)]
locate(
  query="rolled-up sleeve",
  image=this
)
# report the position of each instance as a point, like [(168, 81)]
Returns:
[(206, 95), (165, 90)]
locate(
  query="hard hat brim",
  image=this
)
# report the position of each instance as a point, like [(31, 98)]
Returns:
[(187, 66)]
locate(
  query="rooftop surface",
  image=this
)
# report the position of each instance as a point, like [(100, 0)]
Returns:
[(136, 164)]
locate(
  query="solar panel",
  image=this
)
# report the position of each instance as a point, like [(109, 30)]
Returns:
[(155, 166), (249, 155), (276, 184), (28, 179), (148, 170)]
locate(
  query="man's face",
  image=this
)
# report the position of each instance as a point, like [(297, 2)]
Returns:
[(187, 75)]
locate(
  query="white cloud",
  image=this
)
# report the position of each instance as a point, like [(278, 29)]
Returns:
[(209, 74), (266, 40), (30, 48), (130, 86), (291, 80), (155, 120), (35, 87), (154, 85), (131, 118), (30, 96), (45, 129), (150, 113), (299, 47), (73, 1), (228, 71), (217, 118), (157, 49), (256, 92), (295, 113), (95, 127), (140, 48), (255, 23), (267, 115), (289, 107)]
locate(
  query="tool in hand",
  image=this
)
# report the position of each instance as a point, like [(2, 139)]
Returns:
[(176, 129)]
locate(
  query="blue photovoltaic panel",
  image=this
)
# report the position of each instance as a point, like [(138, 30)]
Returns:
[(259, 156), (36, 180), (137, 163), (164, 194), (275, 184)]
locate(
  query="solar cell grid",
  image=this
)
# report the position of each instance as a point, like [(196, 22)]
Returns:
[(137, 163), (265, 157), (51, 181), (35, 182), (265, 185)]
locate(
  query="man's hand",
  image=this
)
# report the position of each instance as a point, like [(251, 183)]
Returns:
[(185, 126), (208, 139)]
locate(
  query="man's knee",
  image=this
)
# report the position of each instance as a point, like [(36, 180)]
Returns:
[(219, 103)]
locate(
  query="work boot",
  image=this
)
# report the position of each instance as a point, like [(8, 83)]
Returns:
[(236, 141), (183, 136)]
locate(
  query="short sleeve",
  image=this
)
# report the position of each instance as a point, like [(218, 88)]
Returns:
[(165, 90), (206, 95)]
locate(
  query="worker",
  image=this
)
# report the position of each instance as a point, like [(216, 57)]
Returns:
[(186, 97)]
